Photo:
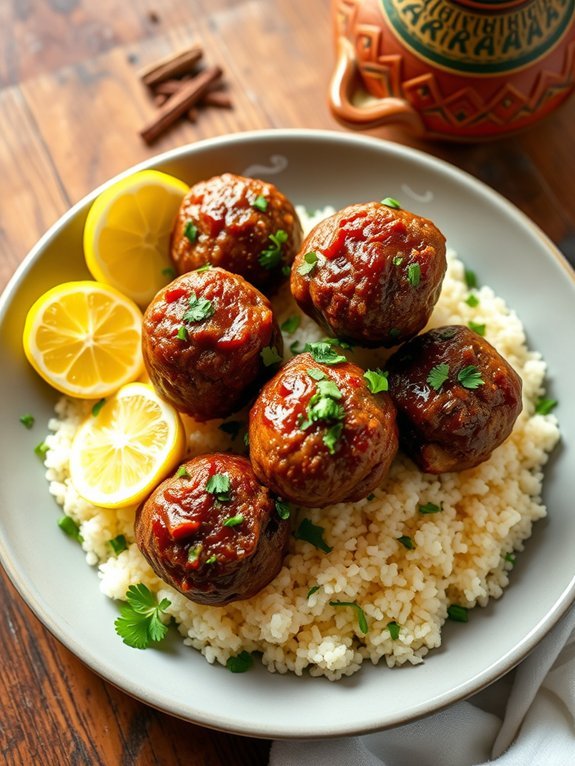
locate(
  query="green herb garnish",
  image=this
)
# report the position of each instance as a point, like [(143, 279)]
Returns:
[(286, 270), (407, 542), (118, 544), (41, 450), (139, 623), (332, 436), (270, 356), (169, 272), (194, 553), (414, 274), (324, 405), (391, 202), (545, 406), (324, 353), (205, 267), (260, 203), (476, 327), (312, 590), (470, 377), (182, 333), (361, 620), (313, 534), (198, 309), (470, 278), (472, 300), (191, 231), (271, 256), (338, 342), (429, 508), (27, 420), (182, 473), (309, 264), (511, 558), (212, 559), (234, 521), (295, 348), (240, 663), (458, 613), (438, 375), (394, 629), (291, 324), (246, 439), (283, 509), (316, 374), (370, 497), (376, 380), (69, 527), (398, 260), (97, 407), (219, 485), (231, 427)]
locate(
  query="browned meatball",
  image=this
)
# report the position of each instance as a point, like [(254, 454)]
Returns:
[(209, 340), (212, 531), (242, 224), (457, 398), (318, 436), (370, 273)]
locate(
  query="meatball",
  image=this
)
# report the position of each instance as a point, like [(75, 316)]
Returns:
[(370, 273), (244, 225), (212, 531), (209, 340), (456, 397), (318, 436)]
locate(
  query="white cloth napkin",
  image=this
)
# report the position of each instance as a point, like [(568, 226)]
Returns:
[(536, 726)]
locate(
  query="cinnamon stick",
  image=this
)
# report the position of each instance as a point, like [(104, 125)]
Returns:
[(169, 87), (171, 66), (180, 103), (216, 98)]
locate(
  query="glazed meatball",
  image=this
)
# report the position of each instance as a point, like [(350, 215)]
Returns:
[(370, 273), (243, 225), (209, 340), (318, 436), (212, 531), (456, 397)]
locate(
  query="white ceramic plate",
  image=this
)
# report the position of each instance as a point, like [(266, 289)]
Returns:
[(314, 168)]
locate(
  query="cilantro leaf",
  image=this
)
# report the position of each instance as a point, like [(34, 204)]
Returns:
[(477, 327), (219, 485), (41, 450), (470, 278), (376, 380), (118, 544), (139, 622), (438, 375), (234, 521), (260, 203), (361, 619), (270, 356), (470, 377), (472, 300), (198, 309), (70, 528), (545, 406), (391, 202), (240, 663), (324, 353), (414, 274), (313, 534), (283, 509), (291, 324), (27, 420), (309, 264), (182, 473), (271, 256), (191, 231), (316, 374), (332, 436), (429, 508), (407, 542), (295, 348)]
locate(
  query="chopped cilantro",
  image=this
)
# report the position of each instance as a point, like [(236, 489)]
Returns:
[(270, 356), (438, 375), (291, 324), (219, 485), (472, 300), (27, 420), (429, 508), (41, 450), (476, 327), (240, 663), (69, 527), (182, 333), (309, 264), (182, 473), (470, 377), (376, 380), (332, 436), (295, 348), (98, 406), (470, 278), (313, 534), (194, 553), (545, 406), (511, 558), (316, 374), (398, 260), (394, 629), (458, 613), (338, 342), (260, 203), (391, 202), (198, 309), (414, 274), (118, 544), (324, 353), (139, 623), (191, 231), (246, 439), (231, 427), (271, 256), (205, 267), (234, 521), (361, 619), (407, 542), (283, 509), (212, 559)]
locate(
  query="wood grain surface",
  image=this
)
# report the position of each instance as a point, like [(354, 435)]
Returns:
[(71, 108)]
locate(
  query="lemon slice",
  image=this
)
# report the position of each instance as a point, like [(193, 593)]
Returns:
[(84, 339), (127, 233), (120, 455)]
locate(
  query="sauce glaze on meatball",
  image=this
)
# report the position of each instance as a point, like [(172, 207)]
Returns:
[(455, 424), (378, 273), (203, 342), (318, 436), (212, 531), (231, 221)]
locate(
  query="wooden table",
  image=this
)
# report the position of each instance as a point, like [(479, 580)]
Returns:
[(71, 106)]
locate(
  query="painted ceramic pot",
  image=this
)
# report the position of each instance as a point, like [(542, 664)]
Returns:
[(455, 69)]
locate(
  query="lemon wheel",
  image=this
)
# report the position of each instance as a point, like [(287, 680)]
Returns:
[(127, 233), (84, 339), (122, 453)]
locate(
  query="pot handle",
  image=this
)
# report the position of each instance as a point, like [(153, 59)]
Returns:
[(382, 111)]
